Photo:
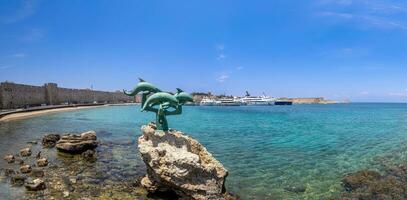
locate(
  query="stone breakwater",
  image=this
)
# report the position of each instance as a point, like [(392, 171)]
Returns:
[(178, 163)]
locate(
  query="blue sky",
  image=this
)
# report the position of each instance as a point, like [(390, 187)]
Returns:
[(343, 49)]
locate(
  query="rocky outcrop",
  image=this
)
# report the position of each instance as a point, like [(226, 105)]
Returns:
[(50, 140), (71, 143), (176, 162)]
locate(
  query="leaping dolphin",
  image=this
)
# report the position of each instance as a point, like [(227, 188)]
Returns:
[(142, 86), (161, 98), (183, 97)]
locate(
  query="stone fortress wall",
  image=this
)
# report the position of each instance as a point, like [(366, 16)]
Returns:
[(14, 95), (311, 100)]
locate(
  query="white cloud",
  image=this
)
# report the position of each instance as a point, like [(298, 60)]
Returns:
[(27, 9), (221, 56), (33, 34), (220, 47), (336, 14), (223, 78), (366, 13), (18, 55), (398, 94), (5, 67)]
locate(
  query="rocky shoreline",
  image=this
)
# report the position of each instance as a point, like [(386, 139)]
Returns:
[(86, 172), (78, 166)]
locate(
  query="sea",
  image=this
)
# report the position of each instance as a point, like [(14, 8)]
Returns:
[(271, 152)]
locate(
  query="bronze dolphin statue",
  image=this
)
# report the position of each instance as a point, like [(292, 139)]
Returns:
[(142, 86)]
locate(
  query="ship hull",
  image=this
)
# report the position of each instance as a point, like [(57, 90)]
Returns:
[(282, 103)]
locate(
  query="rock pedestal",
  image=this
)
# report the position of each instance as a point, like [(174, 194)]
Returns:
[(71, 143), (176, 162)]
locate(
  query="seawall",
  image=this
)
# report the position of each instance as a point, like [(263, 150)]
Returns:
[(14, 96)]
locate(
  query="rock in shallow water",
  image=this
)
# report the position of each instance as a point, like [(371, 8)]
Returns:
[(179, 163), (74, 144), (50, 140), (9, 158), (25, 169), (42, 162), (37, 172), (25, 152), (35, 185), (89, 155), (368, 184), (18, 180), (9, 172)]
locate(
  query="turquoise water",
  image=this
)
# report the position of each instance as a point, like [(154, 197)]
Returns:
[(267, 150)]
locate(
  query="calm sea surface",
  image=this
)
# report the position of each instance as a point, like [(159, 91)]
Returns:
[(276, 152)]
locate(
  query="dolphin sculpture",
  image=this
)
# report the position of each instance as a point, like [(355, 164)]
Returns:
[(142, 86), (183, 97), (154, 100), (160, 98)]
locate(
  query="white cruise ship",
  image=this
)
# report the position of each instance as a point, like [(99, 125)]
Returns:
[(208, 102), (259, 101), (229, 102)]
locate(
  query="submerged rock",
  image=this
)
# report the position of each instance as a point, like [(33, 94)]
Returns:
[(25, 152), (74, 144), (42, 162), (18, 180), (25, 169), (9, 158), (9, 172), (367, 184), (20, 161), (32, 142), (50, 140), (38, 156), (359, 179), (35, 185), (296, 189), (37, 172), (89, 155), (179, 163)]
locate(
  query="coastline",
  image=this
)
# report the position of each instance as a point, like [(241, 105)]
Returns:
[(23, 114)]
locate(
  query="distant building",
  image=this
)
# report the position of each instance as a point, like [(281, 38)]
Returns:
[(14, 95)]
